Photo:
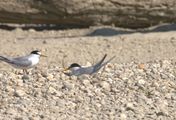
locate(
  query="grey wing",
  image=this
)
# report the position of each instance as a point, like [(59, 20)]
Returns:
[(86, 70), (81, 71), (21, 61), (92, 69)]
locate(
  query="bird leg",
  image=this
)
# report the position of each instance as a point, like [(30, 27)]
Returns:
[(25, 76), (24, 72)]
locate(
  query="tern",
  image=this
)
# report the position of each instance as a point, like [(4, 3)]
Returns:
[(24, 62), (77, 70)]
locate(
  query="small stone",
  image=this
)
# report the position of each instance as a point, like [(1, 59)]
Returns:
[(163, 109), (164, 76), (110, 65), (107, 69), (32, 30), (12, 75), (10, 90), (88, 64), (123, 116), (50, 77), (25, 77), (67, 85), (19, 93), (59, 93), (52, 90), (74, 78), (44, 74), (1, 75), (11, 111), (18, 118), (20, 82), (86, 82), (165, 64), (105, 85), (63, 76), (173, 97), (141, 82), (44, 42), (155, 84), (110, 80), (18, 29), (98, 105), (141, 66), (130, 106), (35, 118), (168, 96)]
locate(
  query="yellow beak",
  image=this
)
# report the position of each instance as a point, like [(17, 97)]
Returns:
[(43, 55), (65, 69)]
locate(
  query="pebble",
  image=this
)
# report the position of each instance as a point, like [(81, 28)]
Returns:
[(105, 85), (1, 75), (52, 90), (19, 93), (18, 30), (68, 85), (32, 30), (141, 66), (44, 42), (123, 116), (107, 69), (19, 82), (141, 82), (44, 74), (10, 90), (50, 77), (86, 82), (88, 64), (130, 106), (25, 77)]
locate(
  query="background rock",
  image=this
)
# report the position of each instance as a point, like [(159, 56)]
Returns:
[(83, 13)]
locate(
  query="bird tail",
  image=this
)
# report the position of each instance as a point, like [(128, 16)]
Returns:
[(4, 59), (101, 61), (99, 65), (108, 61)]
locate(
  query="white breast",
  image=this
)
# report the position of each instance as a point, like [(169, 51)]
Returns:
[(34, 59), (75, 68)]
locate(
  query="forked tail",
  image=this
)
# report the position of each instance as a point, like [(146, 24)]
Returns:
[(99, 65), (101, 61), (4, 59), (108, 61)]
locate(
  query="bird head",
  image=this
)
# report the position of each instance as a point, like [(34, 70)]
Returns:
[(73, 66), (37, 52)]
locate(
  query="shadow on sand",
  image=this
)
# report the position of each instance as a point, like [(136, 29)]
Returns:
[(101, 31), (116, 31)]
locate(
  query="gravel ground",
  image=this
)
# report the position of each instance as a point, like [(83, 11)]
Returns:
[(120, 91), (140, 83)]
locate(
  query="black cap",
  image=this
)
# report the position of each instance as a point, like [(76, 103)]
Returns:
[(35, 52), (74, 65)]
